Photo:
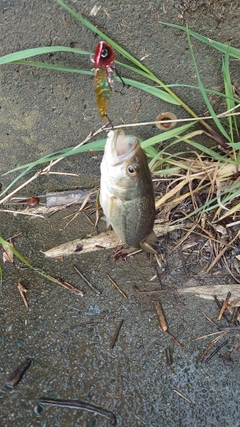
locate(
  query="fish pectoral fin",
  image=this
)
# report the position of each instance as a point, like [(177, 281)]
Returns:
[(108, 207), (150, 244)]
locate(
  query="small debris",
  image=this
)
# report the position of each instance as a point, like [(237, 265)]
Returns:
[(122, 255), (77, 404), (94, 10), (22, 291), (167, 121), (33, 201), (182, 395), (7, 253), (79, 248), (115, 337), (169, 358), (226, 358), (17, 374), (63, 198)]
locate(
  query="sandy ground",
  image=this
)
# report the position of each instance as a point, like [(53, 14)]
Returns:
[(69, 337)]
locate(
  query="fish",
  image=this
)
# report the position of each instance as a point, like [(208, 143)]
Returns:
[(104, 76), (126, 191)]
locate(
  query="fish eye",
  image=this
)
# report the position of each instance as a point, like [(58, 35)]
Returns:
[(104, 52), (132, 170)]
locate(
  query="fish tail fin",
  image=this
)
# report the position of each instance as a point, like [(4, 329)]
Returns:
[(150, 244)]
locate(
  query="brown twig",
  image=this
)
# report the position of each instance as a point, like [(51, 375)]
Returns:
[(161, 316), (220, 307), (224, 114), (68, 286), (237, 345), (117, 287), (207, 335), (149, 292), (175, 340), (219, 256), (232, 329), (201, 357), (211, 321), (22, 291), (86, 281), (216, 351), (224, 306), (77, 404), (234, 315), (115, 337), (229, 270), (182, 395)]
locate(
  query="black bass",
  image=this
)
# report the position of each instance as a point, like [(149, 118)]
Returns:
[(126, 191)]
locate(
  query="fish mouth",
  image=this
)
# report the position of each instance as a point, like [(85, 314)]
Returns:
[(121, 145)]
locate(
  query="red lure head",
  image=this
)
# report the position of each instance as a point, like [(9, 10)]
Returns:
[(104, 55)]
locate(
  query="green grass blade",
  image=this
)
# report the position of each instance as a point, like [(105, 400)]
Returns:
[(142, 86), (54, 67), (105, 37), (130, 58), (137, 70), (204, 95), (162, 152), (151, 151), (166, 135), (201, 148), (211, 153), (232, 51), (152, 90), (15, 180), (229, 95), (159, 159), (213, 203), (66, 152), (235, 145), (28, 53), (6, 245)]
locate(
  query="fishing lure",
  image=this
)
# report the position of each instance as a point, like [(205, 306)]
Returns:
[(104, 78)]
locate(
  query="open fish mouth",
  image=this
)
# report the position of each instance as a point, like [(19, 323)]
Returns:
[(121, 147)]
